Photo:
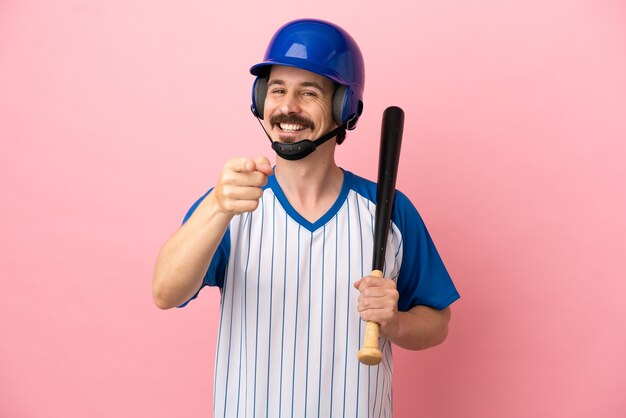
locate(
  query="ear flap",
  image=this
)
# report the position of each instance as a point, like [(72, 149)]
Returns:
[(259, 91), (340, 104)]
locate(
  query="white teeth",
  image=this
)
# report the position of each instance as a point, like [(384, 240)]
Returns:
[(288, 127)]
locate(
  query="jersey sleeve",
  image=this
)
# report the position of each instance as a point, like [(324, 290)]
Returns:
[(217, 269), (423, 277)]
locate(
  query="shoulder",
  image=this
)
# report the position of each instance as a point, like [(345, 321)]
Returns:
[(360, 185), (367, 188)]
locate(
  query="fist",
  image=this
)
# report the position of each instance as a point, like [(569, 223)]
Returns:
[(378, 301), (240, 184)]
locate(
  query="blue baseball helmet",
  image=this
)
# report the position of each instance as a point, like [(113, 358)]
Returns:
[(322, 48)]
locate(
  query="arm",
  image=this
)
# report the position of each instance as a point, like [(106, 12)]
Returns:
[(185, 258), (419, 328)]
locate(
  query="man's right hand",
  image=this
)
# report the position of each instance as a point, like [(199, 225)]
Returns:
[(186, 256), (240, 184)]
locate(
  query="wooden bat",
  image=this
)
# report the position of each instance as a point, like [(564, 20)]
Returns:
[(388, 159)]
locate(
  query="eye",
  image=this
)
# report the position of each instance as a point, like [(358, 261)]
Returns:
[(277, 91), (309, 93)]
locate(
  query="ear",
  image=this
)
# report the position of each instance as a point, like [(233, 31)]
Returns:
[(259, 91)]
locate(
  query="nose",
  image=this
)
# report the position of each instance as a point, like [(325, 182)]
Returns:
[(290, 104)]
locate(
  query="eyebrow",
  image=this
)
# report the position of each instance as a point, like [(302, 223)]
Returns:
[(303, 84)]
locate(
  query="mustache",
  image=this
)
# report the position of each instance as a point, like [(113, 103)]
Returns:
[(292, 119)]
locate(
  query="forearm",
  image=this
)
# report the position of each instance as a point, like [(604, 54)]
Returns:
[(419, 328), (186, 256)]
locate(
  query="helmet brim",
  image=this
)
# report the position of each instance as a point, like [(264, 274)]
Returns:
[(263, 68)]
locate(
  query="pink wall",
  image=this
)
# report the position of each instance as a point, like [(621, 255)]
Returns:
[(116, 115)]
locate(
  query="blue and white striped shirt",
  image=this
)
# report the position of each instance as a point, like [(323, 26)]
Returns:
[(289, 328)]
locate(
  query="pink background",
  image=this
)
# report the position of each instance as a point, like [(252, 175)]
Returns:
[(116, 115)]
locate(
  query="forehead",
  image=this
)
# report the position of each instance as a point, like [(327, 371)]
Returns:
[(292, 75)]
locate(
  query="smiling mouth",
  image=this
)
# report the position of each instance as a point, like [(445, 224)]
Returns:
[(290, 127), (290, 132)]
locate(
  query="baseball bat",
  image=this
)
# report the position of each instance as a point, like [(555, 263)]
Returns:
[(388, 159)]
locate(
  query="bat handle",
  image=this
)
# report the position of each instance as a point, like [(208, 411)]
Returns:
[(370, 353)]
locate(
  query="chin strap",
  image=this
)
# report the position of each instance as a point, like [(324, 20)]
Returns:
[(302, 148)]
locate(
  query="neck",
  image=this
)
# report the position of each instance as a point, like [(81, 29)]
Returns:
[(312, 174), (312, 184)]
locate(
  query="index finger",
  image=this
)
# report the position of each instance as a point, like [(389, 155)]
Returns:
[(263, 165), (240, 165)]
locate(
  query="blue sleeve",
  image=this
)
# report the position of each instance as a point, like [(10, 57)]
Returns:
[(423, 278), (217, 269)]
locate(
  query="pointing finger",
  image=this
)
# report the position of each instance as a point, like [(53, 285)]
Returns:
[(264, 166), (240, 165)]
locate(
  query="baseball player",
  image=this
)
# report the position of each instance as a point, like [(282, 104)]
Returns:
[(290, 248)]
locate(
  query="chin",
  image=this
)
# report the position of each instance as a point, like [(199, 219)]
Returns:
[(288, 139)]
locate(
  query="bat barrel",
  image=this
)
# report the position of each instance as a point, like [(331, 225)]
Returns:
[(388, 160)]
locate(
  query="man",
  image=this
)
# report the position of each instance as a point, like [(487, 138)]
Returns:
[(290, 249)]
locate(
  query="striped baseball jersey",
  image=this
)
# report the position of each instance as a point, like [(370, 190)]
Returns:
[(289, 326)]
